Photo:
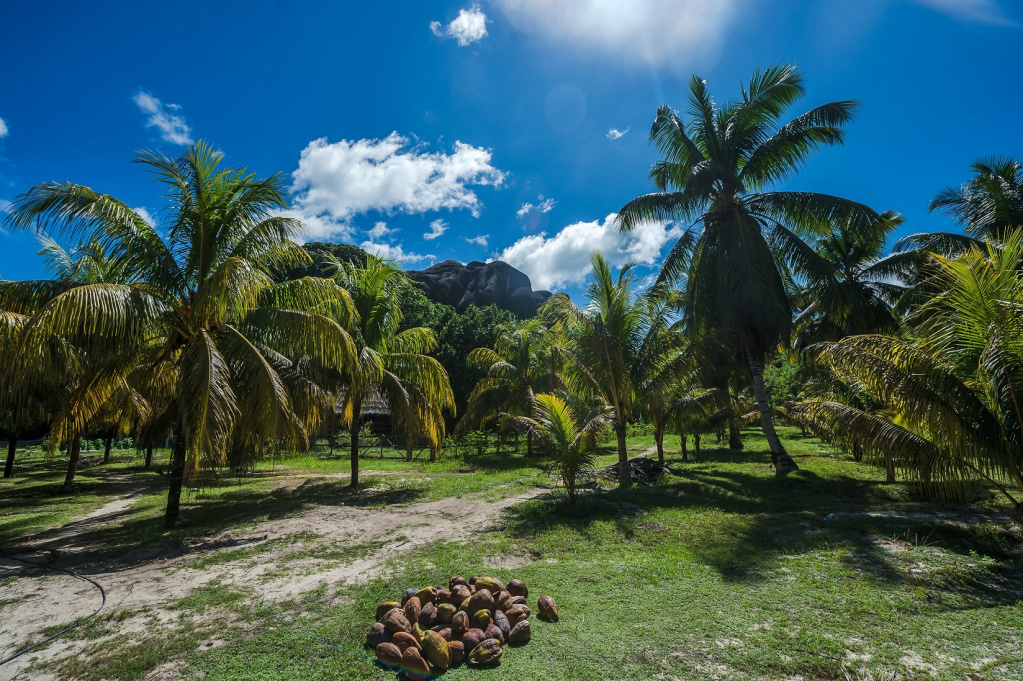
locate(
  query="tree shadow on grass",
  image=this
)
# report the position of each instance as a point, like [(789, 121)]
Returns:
[(139, 535), (754, 521), (491, 461)]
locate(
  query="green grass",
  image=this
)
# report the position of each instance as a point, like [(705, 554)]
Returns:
[(127, 657), (32, 500), (721, 571)]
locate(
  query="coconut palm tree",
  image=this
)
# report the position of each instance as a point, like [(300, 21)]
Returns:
[(716, 170), (391, 364), (519, 366), (78, 391), (15, 415), (987, 207), (566, 430), (610, 352), (849, 285), (949, 400), (666, 366), (201, 309)]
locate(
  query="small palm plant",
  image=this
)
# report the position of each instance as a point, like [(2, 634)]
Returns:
[(566, 430), (612, 351)]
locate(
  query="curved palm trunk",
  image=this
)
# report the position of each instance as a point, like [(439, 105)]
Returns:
[(624, 474), (12, 447), (734, 441), (889, 470), (74, 450), (108, 442), (353, 430), (783, 463), (177, 478), (659, 439)]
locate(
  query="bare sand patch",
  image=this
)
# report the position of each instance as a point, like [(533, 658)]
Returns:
[(357, 544)]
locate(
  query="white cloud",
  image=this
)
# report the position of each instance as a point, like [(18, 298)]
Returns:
[(172, 126), (335, 182), (545, 206), (470, 26), (614, 133), (145, 215), (393, 252), (379, 230), (5, 206), (983, 11), (480, 240), (3, 128), (660, 32), (564, 259), (437, 229), (319, 227)]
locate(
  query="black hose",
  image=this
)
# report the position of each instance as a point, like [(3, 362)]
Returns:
[(69, 627), (103, 593)]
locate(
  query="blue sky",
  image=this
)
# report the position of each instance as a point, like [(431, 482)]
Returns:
[(434, 130)]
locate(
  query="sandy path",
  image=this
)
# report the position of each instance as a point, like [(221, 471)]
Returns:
[(374, 536)]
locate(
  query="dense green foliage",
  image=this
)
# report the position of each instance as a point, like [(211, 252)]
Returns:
[(457, 336), (322, 256)]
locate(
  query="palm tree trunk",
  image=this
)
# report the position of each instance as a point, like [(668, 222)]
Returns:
[(12, 447), (107, 444), (149, 456), (734, 441), (74, 450), (857, 451), (683, 440), (889, 467), (659, 439), (408, 450), (177, 480), (624, 474), (783, 463), (433, 452), (696, 442), (354, 431)]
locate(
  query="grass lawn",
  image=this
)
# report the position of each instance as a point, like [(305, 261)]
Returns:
[(720, 571)]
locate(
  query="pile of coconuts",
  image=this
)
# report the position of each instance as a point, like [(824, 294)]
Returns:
[(433, 629)]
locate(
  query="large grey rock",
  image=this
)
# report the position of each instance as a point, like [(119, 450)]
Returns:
[(481, 284)]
